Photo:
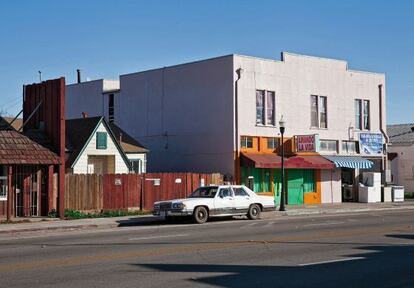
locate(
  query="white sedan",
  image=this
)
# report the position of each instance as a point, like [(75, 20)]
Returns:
[(216, 201)]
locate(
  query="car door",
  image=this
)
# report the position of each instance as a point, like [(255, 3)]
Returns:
[(241, 200), (224, 202)]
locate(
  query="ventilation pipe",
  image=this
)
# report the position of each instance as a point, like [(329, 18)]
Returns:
[(78, 72), (84, 115)]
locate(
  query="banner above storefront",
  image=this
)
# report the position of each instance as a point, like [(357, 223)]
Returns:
[(371, 143), (307, 143)]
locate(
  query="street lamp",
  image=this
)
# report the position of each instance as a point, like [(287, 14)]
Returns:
[(282, 195)]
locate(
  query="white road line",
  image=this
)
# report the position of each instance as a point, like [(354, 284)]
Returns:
[(331, 261), (323, 224), (157, 237)]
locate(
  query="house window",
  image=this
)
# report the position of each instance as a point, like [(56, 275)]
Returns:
[(319, 111), (272, 143), (328, 146), (246, 142), (136, 165), (101, 140), (270, 108), (260, 102), (111, 104), (3, 183), (366, 115), (349, 147)]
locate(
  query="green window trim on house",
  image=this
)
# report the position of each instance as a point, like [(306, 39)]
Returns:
[(101, 140)]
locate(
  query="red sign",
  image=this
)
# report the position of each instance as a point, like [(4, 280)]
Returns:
[(306, 143)]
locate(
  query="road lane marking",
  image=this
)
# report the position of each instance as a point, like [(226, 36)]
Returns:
[(157, 237), (323, 224), (331, 261)]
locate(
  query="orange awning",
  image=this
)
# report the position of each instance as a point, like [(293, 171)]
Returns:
[(294, 162)]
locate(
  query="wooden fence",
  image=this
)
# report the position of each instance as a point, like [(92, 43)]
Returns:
[(90, 192)]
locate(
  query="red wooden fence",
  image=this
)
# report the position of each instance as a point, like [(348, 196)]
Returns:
[(130, 191)]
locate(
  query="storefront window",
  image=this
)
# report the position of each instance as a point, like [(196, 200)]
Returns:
[(272, 143), (349, 147), (3, 182), (246, 142), (328, 146)]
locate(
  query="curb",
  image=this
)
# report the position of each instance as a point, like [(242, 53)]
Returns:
[(53, 228), (341, 211)]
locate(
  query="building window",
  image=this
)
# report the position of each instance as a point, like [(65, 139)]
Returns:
[(111, 105), (358, 114), (328, 146), (319, 111), (136, 165), (349, 147), (272, 143), (265, 108), (270, 108), (362, 114), (101, 140), (366, 115), (3, 183), (314, 111), (246, 142), (260, 102)]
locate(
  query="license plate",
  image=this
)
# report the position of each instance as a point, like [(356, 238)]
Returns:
[(162, 213)]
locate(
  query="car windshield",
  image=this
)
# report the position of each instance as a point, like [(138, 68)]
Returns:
[(204, 192)]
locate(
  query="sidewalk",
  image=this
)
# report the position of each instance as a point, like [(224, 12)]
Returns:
[(53, 224), (346, 207)]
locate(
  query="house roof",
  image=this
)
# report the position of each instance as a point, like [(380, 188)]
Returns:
[(6, 121), (128, 144), (401, 133), (15, 148), (78, 134)]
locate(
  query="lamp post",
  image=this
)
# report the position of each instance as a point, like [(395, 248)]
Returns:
[(282, 194)]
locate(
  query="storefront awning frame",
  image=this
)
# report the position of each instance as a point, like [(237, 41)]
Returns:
[(353, 162)]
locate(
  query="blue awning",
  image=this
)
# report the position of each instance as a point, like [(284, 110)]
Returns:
[(350, 162)]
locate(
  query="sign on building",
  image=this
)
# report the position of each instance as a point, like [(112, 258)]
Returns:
[(371, 143), (307, 143)]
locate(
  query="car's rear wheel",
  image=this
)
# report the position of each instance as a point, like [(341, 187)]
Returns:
[(200, 215), (254, 212)]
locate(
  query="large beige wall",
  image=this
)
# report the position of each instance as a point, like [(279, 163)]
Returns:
[(294, 80), (403, 166)]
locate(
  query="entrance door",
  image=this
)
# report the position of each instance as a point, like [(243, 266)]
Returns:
[(295, 187)]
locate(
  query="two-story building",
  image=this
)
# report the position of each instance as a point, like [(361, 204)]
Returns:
[(222, 114)]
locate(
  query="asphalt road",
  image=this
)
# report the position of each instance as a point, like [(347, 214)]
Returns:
[(355, 250)]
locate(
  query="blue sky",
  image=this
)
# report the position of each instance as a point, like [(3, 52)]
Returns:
[(108, 38)]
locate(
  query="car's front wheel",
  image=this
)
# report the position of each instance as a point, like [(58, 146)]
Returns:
[(200, 215), (254, 212)]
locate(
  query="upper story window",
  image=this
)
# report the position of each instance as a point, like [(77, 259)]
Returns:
[(366, 115), (246, 142), (329, 146), (272, 143), (349, 147), (362, 114), (111, 105), (319, 111), (270, 108), (101, 140), (265, 107)]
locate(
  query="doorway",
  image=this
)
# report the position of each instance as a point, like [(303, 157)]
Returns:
[(348, 184)]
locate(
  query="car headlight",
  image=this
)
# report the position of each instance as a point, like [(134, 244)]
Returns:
[(178, 206), (156, 206)]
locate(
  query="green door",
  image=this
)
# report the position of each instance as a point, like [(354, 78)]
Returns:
[(295, 186)]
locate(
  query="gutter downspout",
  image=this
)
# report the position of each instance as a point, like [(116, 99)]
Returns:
[(384, 133), (239, 72)]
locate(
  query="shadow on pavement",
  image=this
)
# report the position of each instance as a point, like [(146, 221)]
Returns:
[(382, 266), (156, 221)]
